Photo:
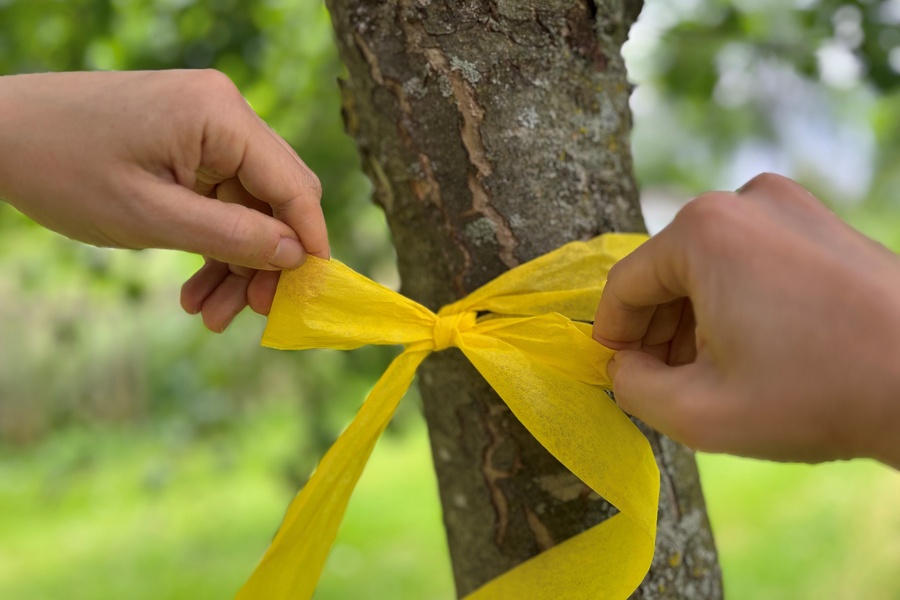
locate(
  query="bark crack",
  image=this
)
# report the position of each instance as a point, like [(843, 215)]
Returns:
[(472, 115), (493, 475), (426, 189), (542, 536), (370, 58)]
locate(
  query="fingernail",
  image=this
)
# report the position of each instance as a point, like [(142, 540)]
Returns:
[(289, 254)]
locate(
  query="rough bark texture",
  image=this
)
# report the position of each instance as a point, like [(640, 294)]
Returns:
[(495, 131)]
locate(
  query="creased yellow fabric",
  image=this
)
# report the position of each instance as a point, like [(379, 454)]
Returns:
[(532, 344)]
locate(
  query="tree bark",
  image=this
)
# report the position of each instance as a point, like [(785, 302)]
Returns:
[(493, 132)]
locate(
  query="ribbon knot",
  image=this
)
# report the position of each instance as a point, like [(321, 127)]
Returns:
[(448, 327), (536, 352)]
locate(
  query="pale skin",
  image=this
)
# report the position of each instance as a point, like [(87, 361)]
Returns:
[(168, 159), (759, 324)]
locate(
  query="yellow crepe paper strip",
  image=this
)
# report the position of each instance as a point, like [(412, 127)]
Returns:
[(532, 343)]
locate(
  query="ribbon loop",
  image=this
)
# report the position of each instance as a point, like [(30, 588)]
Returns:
[(448, 327)]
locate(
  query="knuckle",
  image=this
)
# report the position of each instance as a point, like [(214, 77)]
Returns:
[(211, 90), (312, 182), (710, 207), (764, 181), (778, 190), (216, 81), (615, 274), (709, 220), (623, 386)]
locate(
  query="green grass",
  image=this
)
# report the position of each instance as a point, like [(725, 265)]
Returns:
[(798, 531), (147, 514), (153, 512)]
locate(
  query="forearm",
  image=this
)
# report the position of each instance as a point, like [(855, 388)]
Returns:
[(39, 133)]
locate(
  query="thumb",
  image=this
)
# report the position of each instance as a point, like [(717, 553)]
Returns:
[(664, 397), (230, 233)]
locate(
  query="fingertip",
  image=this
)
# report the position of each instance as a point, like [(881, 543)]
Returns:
[(218, 315), (273, 173), (615, 363), (611, 368), (188, 302), (215, 325), (682, 402), (640, 383), (618, 371), (323, 254), (308, 220), (200, 285)]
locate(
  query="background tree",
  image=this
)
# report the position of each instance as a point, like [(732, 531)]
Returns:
[(494, 134)]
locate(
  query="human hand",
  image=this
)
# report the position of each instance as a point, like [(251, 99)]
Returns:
[(167, 159), (757, 323)]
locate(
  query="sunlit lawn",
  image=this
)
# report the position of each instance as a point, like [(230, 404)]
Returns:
[(146, 514), (154, 513), (797, 531)]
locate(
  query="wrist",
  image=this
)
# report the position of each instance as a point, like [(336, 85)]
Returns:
[(7, 122), (884, 443), (13, 121), (878, 432)]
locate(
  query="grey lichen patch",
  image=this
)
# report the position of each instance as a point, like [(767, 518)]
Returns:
[(468, 70), (618, 213), (514, 9), (610, 115), (682, 567), (528, 118), (415, 87), (445, 86), (481, 231), (597, 128)]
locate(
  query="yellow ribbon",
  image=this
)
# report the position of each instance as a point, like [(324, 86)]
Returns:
[(528, 333)]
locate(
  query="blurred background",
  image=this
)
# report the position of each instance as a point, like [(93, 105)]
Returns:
[(144, 457)]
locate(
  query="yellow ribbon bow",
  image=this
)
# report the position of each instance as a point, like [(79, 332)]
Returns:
[(528, 333)]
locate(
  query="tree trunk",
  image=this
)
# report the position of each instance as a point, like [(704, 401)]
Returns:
[(495, 131)]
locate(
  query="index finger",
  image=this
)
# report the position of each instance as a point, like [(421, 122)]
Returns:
[(272, 172), (636, 285)]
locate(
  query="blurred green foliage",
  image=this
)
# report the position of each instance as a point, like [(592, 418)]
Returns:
[(100, 329), (808, 88), (155, 458)]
